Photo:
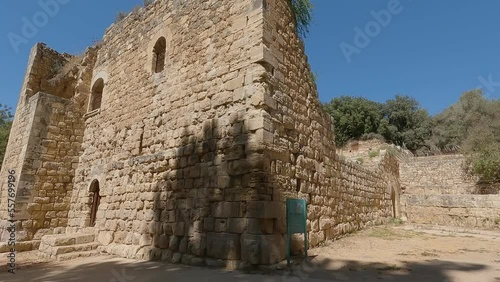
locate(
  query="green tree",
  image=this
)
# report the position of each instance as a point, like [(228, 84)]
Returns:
[(406, 124), (5, 125), (353, 117), (482, 148), (472, 127), (453, 124)]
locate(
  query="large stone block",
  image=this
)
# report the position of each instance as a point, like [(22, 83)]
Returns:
[(105, 237), (226, 209), (236, 225), (163, 241), (179, 229), (224, 246), (174, 243), (197, 245), (259, 226), (265, 210), (263, 249)]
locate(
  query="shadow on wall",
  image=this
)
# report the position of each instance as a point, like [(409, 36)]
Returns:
[(486, 188), (107, 269), (200, 204)]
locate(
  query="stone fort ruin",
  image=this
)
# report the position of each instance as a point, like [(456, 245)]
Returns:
[(179, 137)]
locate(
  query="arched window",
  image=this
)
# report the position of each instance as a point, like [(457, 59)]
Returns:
[(96, 200), (96, 97), (159, 54)]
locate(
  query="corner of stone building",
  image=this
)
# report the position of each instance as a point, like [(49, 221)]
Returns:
[(298, 140)]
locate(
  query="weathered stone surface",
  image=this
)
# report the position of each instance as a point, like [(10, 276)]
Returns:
[(470, 211), (177, 258), (174, 243), (264, 209), (223, 246), (263, 249), (163, 241), (226, 209), (259, 226), (105, 238), (438, 191), (435, 176), (191, 153)]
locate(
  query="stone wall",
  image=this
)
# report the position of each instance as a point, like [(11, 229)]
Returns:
[(436, 190), (299, 145), (194, 162), (436, 175), (369, 153), (187, 159), (43, 148), (176, 152), (469, 211)]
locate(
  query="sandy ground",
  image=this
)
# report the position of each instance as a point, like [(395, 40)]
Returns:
[(387, 253)]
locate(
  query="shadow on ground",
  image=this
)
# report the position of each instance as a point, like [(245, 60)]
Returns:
[(108, 269), (408, 271)]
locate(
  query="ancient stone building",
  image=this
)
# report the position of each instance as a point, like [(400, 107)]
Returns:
[(179, 137)]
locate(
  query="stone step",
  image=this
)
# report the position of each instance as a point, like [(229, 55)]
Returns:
[(59, 250), (76, 255), (67, 239)]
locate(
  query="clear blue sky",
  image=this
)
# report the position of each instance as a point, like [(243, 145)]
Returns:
[(431, 50)]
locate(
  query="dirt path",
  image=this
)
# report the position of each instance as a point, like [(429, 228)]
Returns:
[(407, 253), (388, 253)]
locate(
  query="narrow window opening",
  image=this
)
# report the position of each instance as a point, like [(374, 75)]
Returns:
[(96, 201), (96, 97), (140, 142), (159, 55)]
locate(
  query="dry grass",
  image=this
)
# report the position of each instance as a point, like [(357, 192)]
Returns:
[(387, 233)]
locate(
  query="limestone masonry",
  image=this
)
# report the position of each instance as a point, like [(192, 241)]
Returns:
[(436, 190), (179, 137)]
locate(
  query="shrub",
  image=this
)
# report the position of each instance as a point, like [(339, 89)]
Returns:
[(303, 15), (120, 16), (147, 2), (372, 136), (136, 9), (397, 221), (486, 165)]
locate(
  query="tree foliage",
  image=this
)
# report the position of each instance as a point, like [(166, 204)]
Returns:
[(401, 120), (354, 117), (303, 15), (453, 123), (471, 126), (406, 124), (5, 125)]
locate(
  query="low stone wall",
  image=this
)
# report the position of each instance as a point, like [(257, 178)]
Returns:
[(436, 175), (470, 211), (436, 190)]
